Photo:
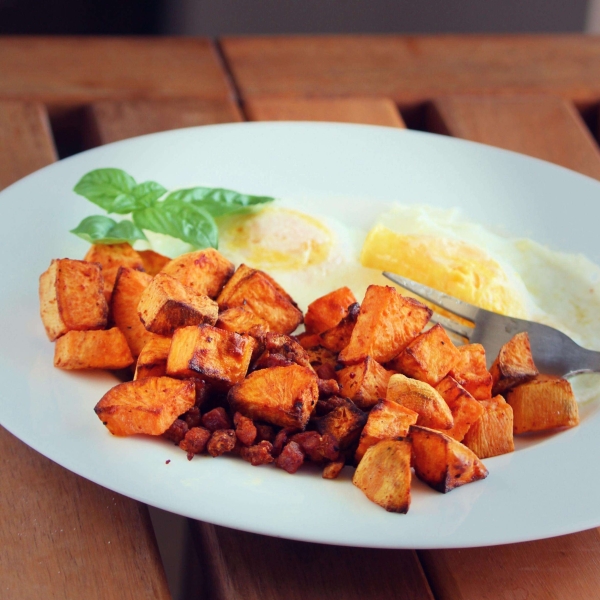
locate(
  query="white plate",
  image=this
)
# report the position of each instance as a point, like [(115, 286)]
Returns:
[(551, 487)]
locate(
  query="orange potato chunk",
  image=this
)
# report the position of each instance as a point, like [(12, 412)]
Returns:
[(544, 403), (152, 361), (145, 406), (153, 261), (326, 312), (72, 297), (101, 349), (217, 356), (514, 364), (387, 322), (283, 396), (465, 409), (386, 421), (167, 304), (493, 433), (242, 320), (423, 399), (365, 383), (442, 462), (471, 371), (384, 475), (344, 423), (429, 357), (338, 337)]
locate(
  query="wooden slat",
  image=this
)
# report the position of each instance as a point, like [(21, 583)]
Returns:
[(76, 70), (371, 111), (413, 69), (245, 566), (545, 127), (62, 536), (113, 121), (568, 566)]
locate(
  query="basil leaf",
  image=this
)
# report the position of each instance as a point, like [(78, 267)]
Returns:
[(217, 201), (104, 230), (180, 220), (111, 189), (146, 194)]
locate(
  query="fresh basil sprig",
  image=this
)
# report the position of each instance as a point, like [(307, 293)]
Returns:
[(184, 214)]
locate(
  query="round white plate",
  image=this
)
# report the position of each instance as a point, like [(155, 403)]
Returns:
[(549, 487)]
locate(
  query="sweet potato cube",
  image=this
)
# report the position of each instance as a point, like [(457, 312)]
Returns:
[(344, 423), (166, 305), (386, 324), (280, 348), (423, 399), (514, 364), (387, 420), (153, 261), (72, 297), (338, 337), (212, 354), (492, 434), (465, 409), (307, 340), (152, 361), (429, 357), (101, 349), (145, 406), (365, 383), (283, 396), (110, 258), (384, 475), (129, 286), (442, 462), (321, 358), (242, 320), (544, 403), (326, 312), (205, 271), (264, 297), (471, 371)]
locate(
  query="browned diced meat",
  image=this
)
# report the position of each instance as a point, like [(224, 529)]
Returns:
[(281, 439), (215, 419), (325, 371), (195, 441), (264, 432), (329, 448), (259, 454), (221, 441), (310, 442), (267, 360), (177, 431), (245, 430), (291, 458), (192, 417)]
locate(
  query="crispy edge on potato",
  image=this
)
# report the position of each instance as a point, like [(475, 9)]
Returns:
[(465, 409), (327, 311), (514, 364), (387, 322), (338, 337), (423, 399), (442, 462), (145, 406), (152, 361), (365, 383), (93, 349), (242, 320), (72, 297), (205, 271), (471, 372), (429, 357), (344, 423), (153, 261), (387, 420), (545, 402), (283, 396), (384, 475), (215, 355), (167, 304), (492, 434)]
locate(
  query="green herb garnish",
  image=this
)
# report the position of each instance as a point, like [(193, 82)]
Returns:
[(187, 214)]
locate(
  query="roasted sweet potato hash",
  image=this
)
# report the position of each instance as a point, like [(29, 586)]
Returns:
[(217, 370)]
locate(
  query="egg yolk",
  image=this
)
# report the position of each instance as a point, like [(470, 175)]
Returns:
[(451, 266), (278, 238)]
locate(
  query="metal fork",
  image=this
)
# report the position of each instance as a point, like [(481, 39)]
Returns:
[(554, 353)]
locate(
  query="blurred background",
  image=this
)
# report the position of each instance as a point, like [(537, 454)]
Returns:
[(219, 17)]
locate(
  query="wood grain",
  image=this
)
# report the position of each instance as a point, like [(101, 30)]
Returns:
[(76, 70), (245, 566), (545, 127), (110, 121), (370, 111), (62, 536), (414, 69)]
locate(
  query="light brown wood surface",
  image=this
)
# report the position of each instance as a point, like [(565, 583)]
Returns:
[(61, 536), (545, 127), (414, 69), (369, 111)]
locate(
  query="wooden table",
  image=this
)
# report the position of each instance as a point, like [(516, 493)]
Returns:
[(64, 537)]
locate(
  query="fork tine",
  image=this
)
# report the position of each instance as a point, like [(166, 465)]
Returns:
[(458, 307), (462, 330)]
